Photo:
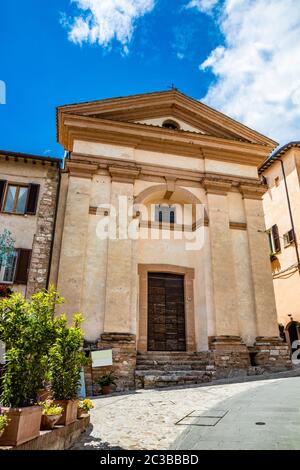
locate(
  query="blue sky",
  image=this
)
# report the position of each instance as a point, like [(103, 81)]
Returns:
[(62, 51)]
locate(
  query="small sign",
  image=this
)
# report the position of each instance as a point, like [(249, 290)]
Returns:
[(102, 358), (2, 352)]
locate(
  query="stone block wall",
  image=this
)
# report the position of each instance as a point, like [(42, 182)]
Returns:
[(41, 249), (272, 354), (124, 362), (230, 355)]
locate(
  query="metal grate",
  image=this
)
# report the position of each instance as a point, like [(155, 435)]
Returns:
[(202, 418)]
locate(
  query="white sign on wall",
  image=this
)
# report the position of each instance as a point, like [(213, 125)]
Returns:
[(102, 358)]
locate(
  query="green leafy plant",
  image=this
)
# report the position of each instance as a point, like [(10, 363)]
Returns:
[(50, 408), (85, 405), (107, 379), (66, 358), (28, 331), (3, 422)]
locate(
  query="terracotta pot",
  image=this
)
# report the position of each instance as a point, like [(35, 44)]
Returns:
[(106, 389), (82, 414), (24, 425), (48, 422), (69, 414), (44, 395)]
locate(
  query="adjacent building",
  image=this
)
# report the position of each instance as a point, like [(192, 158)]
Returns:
[(28, 198), (282, 214), (171, 314)]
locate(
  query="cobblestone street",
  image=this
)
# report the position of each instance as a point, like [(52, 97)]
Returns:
[(147, 419)]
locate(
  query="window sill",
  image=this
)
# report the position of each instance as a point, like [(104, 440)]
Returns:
[(14, 213), (289, 244)]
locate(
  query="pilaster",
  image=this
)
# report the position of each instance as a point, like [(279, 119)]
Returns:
[(264, 298), (74, 239), (224, 282), (119, 309)]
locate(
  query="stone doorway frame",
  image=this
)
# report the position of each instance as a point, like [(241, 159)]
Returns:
[(189, 276)]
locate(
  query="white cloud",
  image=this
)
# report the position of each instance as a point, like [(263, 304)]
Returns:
[(205, 6), (257, 69), (101, 21)]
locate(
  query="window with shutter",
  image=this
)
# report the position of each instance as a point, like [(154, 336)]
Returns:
[(22, 268), (2, 191), (289, 238), (276, 238), (32, 199)]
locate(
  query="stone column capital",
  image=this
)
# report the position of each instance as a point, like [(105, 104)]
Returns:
[(252, 192), (216, 187), (124, 173), (81, 170)]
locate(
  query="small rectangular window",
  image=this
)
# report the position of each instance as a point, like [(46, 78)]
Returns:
[(165, 214), (289, 238), (15, 199), (8, 268)]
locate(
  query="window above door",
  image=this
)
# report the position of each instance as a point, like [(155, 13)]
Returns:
[(165, 214)]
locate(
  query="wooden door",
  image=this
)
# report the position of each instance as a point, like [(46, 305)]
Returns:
[(166, 313)]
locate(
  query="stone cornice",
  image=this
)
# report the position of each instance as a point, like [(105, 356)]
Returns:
[(161, 140), (164, 174)]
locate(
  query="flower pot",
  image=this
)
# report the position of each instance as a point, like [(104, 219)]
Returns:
[(106, 389), (24, 425), (82, 414), (69, 414), (48, 422)]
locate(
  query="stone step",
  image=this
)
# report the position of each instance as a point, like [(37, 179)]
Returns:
[(145, 365), (173, 373), (158, 379)]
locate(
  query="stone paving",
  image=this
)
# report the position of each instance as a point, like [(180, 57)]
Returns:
[(147, 419)]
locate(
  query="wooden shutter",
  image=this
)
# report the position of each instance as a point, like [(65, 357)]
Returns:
[(22, 268), (291, 235), (2, 190), (276, 238), (32, 199)]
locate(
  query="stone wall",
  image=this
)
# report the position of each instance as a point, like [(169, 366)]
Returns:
[(230, 355), (124, 362), (41, 249), (272, 354)]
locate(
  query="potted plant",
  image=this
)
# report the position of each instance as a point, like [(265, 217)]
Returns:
[(106, 381), (51, 414), (3, 423), (26, 329), (66, 359), (84, 406)]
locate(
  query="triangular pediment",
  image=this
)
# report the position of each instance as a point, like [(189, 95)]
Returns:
[(151, 109)]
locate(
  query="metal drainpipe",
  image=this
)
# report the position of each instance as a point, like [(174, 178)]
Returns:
[(291, 214)]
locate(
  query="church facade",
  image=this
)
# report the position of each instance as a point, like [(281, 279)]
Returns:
[(160, 239)]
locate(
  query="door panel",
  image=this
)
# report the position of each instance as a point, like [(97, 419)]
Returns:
[(166, 314)]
